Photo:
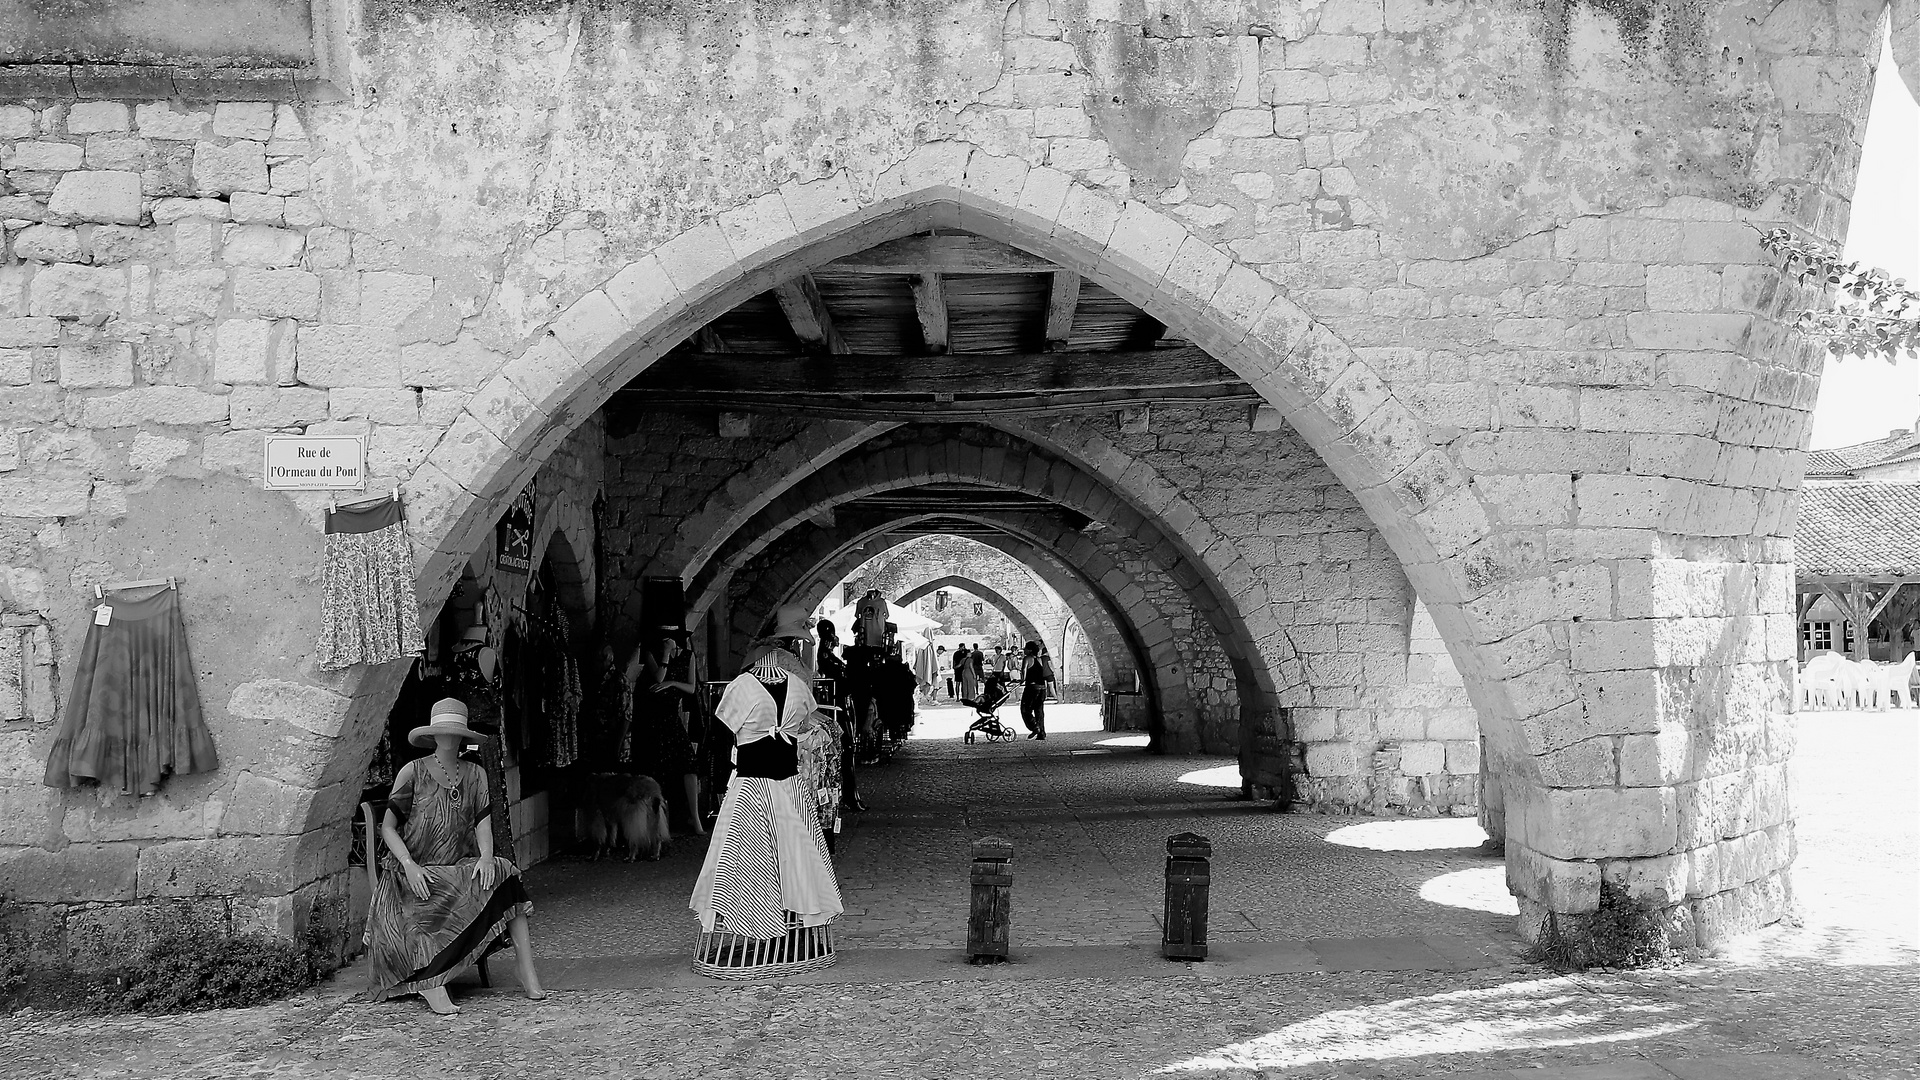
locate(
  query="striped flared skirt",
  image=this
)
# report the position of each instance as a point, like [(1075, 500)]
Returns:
[(767, 867)]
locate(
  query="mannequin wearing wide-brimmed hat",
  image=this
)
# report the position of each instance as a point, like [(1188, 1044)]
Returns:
[(444, 896)]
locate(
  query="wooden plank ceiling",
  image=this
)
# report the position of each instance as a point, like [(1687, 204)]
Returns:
[(934, 326)]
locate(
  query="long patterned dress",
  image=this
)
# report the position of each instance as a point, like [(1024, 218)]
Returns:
[(420, 944)]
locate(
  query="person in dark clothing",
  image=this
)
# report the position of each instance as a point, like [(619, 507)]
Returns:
[(894, 695), (663, 701), (963, 672), (1036, 673)]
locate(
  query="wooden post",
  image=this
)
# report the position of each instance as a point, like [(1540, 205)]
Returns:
[(1189, 879), (1856, 614), (990, 911)]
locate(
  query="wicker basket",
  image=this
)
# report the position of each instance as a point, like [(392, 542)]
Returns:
[(720, 954)]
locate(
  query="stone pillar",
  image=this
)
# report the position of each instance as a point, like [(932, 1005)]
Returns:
[(1493, 800), (1666, 769)]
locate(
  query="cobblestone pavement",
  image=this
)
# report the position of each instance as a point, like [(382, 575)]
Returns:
[(1089, 814), (1838, 997)]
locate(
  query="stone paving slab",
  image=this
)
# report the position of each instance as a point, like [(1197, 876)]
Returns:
[(1140, 959), (1089, 834), (1707, 1067)]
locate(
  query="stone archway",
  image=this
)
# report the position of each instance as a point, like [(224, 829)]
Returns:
[(811, 560), (997, 460), (1373, 443), (1021, 620), (1497, 606)]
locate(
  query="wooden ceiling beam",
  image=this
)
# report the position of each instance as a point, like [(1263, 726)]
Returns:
[(1063, 299), (883, 408), (807, 313), (930, 304), (954, 253), (959, 374)]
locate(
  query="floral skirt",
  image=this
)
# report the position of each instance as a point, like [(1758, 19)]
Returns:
[(369, 613)]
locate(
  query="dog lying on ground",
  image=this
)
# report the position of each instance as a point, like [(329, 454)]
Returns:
[(627, 811)]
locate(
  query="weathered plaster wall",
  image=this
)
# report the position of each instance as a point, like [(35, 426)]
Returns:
[(1527, 328)]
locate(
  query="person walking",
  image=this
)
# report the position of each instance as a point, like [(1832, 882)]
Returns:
[(1035, 676)]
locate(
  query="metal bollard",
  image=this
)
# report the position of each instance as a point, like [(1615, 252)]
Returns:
[(991, 908), (1189, 875)]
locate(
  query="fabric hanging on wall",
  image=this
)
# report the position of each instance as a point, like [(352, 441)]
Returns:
[(368, 611), (544, 684), (134, 716)]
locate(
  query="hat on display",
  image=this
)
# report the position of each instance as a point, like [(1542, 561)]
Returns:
[(792, 621), (448, 717), (475, 637)]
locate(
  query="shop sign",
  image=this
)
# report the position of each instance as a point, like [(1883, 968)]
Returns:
[(514, 536), (316, 462)]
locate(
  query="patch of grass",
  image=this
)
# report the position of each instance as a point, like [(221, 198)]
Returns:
[(1624, 933), (13, 956)]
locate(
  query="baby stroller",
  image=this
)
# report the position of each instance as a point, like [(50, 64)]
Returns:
[(992, 696)]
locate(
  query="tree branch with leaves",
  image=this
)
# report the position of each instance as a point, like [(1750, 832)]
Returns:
[(1871, 312)]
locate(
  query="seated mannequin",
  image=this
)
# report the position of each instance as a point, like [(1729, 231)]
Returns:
[(443, 894)]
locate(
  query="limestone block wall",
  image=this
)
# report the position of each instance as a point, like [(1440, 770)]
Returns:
[(1529, 332), (668, 471)]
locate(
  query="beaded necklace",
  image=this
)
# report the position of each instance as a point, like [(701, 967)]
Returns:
[(452, 787)]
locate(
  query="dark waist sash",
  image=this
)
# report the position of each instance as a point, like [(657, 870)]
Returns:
[(772, 758)]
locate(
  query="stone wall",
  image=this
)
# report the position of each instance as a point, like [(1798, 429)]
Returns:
[(1527, 330)]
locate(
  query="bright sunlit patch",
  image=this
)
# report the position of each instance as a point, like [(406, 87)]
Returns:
[(1513, 1017), (1483, 888), (1227, 776), (1411, 834), (1125, 740)]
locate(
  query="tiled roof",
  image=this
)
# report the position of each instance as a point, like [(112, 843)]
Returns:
[(1827, 463), (1863, 528), (1843, 460)]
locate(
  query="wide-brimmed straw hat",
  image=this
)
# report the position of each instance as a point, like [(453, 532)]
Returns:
[(449, 717), (792, 621)]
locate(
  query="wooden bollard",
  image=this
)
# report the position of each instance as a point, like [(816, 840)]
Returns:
[(991, 909), (1189, 876)]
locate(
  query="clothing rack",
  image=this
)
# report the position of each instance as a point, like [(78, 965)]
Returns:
[(100, 591)]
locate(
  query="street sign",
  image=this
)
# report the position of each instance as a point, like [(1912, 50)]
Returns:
[(316, 462)]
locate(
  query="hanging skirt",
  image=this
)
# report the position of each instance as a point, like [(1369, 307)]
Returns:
[(134, 717), (368, 610)]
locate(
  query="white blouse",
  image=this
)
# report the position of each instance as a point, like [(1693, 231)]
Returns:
[(747, 707)]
